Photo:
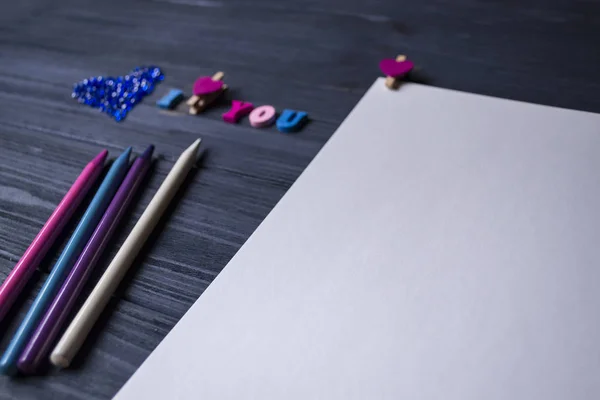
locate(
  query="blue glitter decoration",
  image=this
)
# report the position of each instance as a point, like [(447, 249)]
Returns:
[(116, 96)]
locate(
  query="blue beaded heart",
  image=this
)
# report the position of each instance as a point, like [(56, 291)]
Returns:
[(117, 96)]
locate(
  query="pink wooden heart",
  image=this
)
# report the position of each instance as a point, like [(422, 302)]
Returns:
[(205, 85), (395, 69)]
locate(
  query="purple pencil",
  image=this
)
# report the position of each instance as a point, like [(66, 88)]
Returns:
[(50, 326)]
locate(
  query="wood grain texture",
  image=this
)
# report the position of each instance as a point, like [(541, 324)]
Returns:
[(316, 56)]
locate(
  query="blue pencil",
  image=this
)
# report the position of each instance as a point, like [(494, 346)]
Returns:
[(85, 228)]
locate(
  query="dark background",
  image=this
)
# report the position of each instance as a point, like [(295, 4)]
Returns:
[(315, 56)]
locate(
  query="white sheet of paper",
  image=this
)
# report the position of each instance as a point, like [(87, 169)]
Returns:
[(442, 245)]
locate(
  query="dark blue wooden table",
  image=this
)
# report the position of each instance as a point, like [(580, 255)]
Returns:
[(316, 56)]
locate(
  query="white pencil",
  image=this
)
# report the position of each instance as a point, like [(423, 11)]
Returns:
[(87, 316)]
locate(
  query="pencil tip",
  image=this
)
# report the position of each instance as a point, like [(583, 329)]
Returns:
[(125, 155), (147, 154), (99, 159), (194, 146)]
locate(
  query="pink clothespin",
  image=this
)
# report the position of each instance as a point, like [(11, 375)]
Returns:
[(395, 70), (206, 90)]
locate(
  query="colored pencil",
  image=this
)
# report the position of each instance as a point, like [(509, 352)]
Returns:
[(51, 324), (21, 273), (85, 319), (82, 233)]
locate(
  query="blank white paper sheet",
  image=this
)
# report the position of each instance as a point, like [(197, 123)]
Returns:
[(441, 246)]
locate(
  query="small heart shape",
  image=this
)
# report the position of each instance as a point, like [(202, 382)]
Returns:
[(395, 69), (206, 85)]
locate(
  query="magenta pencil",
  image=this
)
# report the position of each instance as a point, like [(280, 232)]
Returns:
[(18, 277)]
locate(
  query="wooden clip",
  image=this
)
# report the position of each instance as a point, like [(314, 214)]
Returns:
[(206, 91), (395, 70), (218, 76)]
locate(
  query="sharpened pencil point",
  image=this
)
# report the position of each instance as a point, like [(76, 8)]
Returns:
[(147, 154), (194, 146), (100, 158), (125, 155)]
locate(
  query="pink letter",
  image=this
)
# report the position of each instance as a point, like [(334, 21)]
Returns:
[(262, 116), (237, 111)]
